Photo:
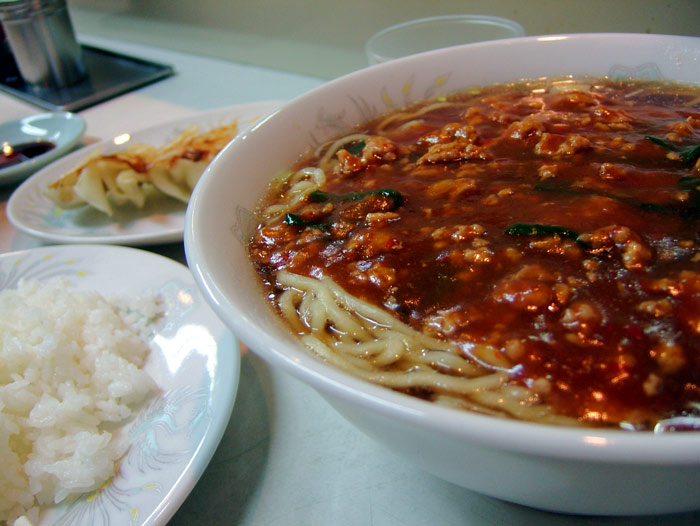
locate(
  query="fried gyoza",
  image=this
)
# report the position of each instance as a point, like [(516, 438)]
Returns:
[(104, 180)]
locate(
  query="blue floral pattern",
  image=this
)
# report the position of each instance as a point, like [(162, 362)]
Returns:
[(165, 435), (182, 411)]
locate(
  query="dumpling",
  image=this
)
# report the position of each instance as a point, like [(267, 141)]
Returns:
[(100, 180), (179, 164), (104, 181)]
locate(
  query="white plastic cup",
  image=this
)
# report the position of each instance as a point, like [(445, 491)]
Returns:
[(425, 34)]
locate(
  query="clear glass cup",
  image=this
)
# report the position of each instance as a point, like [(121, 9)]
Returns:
[(425, 34)]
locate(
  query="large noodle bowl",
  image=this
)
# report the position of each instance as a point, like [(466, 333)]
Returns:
[(528, 250)]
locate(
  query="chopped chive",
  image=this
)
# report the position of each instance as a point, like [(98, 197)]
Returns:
[(688, 155), (661, 142), (355, 148), (534, 229), (689, 183), (684, 183), (319, 196), (297, 220)]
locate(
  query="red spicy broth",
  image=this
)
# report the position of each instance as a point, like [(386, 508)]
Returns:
[(548, 229)]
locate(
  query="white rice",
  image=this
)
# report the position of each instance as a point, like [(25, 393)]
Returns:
[(70, 368)]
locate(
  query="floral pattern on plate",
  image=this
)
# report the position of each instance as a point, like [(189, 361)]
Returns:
[(194, 360)]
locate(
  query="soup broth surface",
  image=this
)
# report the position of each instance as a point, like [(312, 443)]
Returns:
[(548, 231)]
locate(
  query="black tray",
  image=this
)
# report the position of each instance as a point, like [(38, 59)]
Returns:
[(108, 74)]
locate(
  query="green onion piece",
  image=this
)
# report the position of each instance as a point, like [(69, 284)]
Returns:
[(692, 207), (631, 201), (688, 155), (661, 142), (319, 196), (297, 220), (355, 148), (689, 183), (534, 229)]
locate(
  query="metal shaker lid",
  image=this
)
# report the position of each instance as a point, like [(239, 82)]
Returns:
[(19, 10)]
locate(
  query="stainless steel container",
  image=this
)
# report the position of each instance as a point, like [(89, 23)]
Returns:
[(43, 42)]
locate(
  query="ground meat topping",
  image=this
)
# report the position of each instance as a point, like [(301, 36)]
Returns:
[(554, 225)]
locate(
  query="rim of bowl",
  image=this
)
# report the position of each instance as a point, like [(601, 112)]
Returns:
[(586, 443)]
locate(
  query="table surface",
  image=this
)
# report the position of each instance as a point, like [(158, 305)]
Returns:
[(286, 457)]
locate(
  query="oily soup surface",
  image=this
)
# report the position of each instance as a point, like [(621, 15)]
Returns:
[(545, 231)]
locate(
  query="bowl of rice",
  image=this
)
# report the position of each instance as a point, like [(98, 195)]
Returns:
[(87, 381), (379, 239)]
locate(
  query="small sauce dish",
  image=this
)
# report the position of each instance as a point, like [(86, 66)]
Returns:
[(31, 142)]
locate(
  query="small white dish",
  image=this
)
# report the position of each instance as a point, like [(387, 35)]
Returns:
[(160, 221), (194, 359), (62, 128)]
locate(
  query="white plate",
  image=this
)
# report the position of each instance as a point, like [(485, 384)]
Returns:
[(194, 360), (62, 128), (160, 221)]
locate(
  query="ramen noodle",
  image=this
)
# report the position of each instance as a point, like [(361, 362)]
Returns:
[(529, 250)]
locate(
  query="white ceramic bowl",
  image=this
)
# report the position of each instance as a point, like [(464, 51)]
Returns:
[(585, 471)]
